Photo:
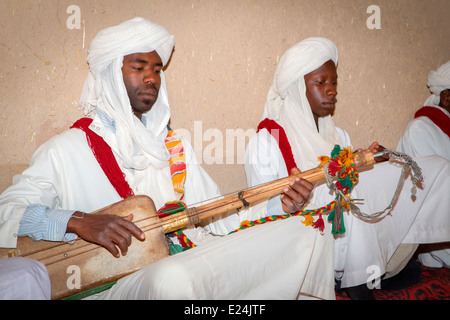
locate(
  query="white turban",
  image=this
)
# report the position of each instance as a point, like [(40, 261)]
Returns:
[(138, 144), (438, 81), (287, 103)]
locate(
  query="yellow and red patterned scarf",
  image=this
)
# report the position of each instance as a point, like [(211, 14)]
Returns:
[(177, 163)]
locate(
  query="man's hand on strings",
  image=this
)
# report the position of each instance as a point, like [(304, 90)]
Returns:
[(296, 194), (109, 231)]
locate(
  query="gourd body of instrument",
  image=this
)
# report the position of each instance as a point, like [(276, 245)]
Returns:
[(81, 266)]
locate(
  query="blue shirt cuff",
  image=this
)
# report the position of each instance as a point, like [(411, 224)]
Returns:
[(42, 223)]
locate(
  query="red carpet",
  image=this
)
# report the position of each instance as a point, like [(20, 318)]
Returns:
[(434, 285)]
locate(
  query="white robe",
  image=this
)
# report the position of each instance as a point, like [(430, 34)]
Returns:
[(424, 138), (271, 261), (370, 245)]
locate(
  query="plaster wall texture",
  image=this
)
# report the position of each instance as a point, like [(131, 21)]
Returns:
[(222, 67)]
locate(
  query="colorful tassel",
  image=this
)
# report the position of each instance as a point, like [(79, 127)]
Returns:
[(340, 164), (319, 224), (309, 220), (171, 208)]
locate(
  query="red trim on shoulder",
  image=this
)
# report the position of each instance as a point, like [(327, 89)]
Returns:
[(105, 157), (438, 117), (280, 136)]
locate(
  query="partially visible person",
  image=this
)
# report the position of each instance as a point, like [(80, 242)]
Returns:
[(428, 134), (23, 279)]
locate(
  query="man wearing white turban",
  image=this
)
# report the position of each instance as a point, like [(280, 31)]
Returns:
[(299, 107), (429, 134), (64, 173), (76, 173)]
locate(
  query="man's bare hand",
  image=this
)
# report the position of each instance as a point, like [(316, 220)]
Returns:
[(106, 230), (295, 196), (374, 148)]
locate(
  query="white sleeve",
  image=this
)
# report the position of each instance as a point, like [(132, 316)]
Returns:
[(264, 163), (36, 185), (345, 137), (420, 139), (263, 160)]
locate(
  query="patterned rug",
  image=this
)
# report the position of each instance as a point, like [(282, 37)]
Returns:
[(434, 285)]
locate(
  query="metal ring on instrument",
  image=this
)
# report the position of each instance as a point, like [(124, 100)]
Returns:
[(244, 202)]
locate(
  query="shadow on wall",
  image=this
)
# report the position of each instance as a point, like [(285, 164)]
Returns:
[(7, 172)]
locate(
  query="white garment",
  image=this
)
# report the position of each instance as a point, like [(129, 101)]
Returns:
[(369, 244), (424, 138), (23, 279), (277, 260), (264, 162)]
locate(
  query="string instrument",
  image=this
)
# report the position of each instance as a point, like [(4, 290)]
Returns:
[(81, 266)]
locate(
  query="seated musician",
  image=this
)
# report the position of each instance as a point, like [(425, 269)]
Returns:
[(76, 172), (429, 134), (300, 104)]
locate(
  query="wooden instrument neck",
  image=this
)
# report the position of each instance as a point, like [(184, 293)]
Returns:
[(243, 198)]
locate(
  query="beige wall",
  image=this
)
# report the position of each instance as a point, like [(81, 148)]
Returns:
[(225, 56)]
